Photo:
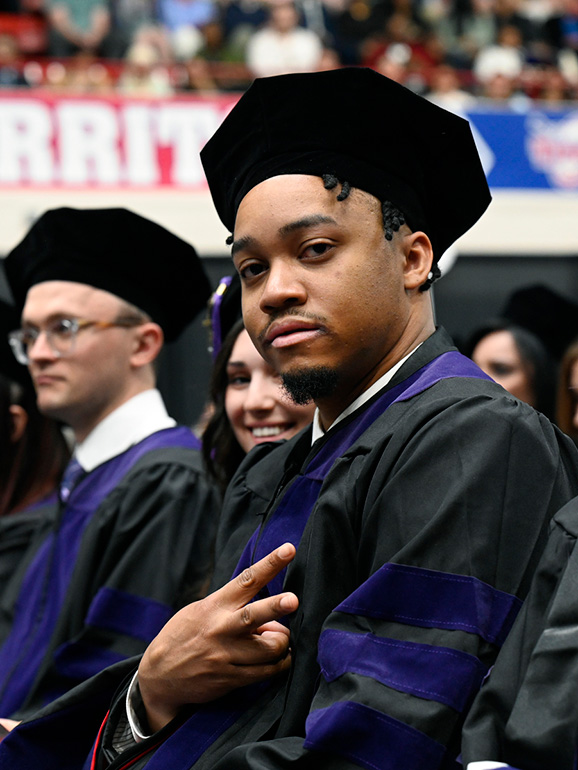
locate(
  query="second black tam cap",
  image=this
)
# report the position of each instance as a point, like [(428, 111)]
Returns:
[(546, 313), (118, 251), (364, 129)]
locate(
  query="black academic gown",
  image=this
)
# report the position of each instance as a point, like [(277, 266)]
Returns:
[(409, 571), (526, 715), (20, 535), (108, 570)]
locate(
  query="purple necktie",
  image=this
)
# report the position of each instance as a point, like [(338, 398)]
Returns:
[(72, 475)]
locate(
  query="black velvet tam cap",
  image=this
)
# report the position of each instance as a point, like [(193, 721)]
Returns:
[(118, 251), (364, 129), (543, 311)]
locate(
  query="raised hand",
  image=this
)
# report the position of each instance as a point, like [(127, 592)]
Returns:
[(219, 644)]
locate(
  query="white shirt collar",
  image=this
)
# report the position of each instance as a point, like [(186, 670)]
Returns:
[(130, 423), (318, 431)]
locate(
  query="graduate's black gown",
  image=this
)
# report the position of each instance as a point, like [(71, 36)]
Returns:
[(104, 572), (20, 534), (526, 715), (409, 571)]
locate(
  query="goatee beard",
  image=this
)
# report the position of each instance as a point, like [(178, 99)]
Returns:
[(305, 385)]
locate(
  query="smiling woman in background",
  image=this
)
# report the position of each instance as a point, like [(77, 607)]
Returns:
[(250, 406)]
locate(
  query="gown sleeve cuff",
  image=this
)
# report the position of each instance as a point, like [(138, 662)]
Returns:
[(134, 712)]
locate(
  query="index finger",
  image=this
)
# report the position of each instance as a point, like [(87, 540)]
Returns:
[(245, 586)]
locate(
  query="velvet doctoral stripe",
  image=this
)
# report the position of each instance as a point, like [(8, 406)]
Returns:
[(359, 733), (288, 520), (436, 673), (127, 614), (47, 580), (431, 599)]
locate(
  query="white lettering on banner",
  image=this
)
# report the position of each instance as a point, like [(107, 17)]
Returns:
[(105, 142), (140, 145), (187, 131), (553, 148), (26, 131), (88, 143)]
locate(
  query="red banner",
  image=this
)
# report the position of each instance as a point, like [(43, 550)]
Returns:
[(101, 143)]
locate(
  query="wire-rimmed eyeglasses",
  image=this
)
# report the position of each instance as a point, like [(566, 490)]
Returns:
[(60, 335)]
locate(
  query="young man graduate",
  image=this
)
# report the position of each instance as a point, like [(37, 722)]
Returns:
[(381, 555), (99, 291)]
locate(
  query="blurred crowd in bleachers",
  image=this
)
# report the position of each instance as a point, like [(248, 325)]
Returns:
[(454, 51)]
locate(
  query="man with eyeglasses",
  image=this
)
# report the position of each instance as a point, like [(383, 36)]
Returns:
[(100, 290)]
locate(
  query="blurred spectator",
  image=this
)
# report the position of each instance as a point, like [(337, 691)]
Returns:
[(214, 45), (517, 360), (561, 29), (554, 88), (401, 30), (195, 75), (198, 73), (78, 25), (329, 60), (393, 63), (10, 66), (357, 21), (505, 89), (85, 74), (184, 20), (561, 33), (505, 57), (282, 46), (143, 73), (567, 405), (536, 14), (445, 90), (135, 21), (55, 76), (240, 20), (508, 14), (466, 28)]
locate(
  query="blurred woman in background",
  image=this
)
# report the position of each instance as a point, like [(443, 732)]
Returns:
[(518, 361), (567, 404)]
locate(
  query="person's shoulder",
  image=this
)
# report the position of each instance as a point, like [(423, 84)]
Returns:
[(263, 467), (475, 412), (467, 400), (174, 451), (567, 518)]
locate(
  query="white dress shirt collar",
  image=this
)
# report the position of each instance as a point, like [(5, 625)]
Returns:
[(130, 423), (318, 431)]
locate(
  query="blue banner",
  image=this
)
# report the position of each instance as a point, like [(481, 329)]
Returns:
[(537, 149)]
